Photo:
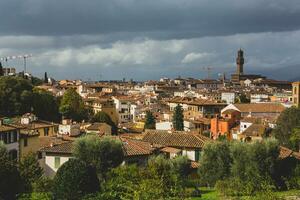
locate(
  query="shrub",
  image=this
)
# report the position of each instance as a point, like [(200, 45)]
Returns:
[(75, 179)]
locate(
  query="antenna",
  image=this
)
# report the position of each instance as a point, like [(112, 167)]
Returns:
[(208, 69), (24, 57)]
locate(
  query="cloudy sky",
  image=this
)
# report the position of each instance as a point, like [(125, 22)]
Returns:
[(148, 39)]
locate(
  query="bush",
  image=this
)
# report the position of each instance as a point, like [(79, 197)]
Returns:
[(102, 153), (75, 179), (215, 162)]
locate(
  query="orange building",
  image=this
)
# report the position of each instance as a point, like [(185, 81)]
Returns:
[(222, 125)]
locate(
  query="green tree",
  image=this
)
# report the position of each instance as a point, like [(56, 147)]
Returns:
[(242, 98), (45, 78), (288, 120), (215, 162), (103, 117), (123, 183), (30, 171), (178, 118), (15, 96), (150, 120), (295, 139), (1, 70), (75, 179), (36, 81), (102, 153), (10, 181), (72, 106), (162, 173), (45, 105)]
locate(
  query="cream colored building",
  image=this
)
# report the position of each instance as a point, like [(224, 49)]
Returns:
[(296, 93)]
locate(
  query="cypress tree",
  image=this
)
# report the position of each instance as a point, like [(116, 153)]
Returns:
[(46, 78), (1, 70), (178, 118), (150, 121)]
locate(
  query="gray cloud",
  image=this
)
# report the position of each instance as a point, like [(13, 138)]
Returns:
[(157, 18), (144, 39)]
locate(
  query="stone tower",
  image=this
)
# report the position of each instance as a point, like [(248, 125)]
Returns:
[(240, 62)]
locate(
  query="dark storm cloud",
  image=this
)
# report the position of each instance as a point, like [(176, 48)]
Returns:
[(151, 18)]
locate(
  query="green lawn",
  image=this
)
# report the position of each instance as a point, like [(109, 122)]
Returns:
[(207, 194), (211, 194)]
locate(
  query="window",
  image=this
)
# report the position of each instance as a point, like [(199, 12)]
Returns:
[(25, 142), (56, 162), (15, 136), (197, 155), (46, 131), (245, 126)]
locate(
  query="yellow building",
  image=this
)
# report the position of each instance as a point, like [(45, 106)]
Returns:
[(104, 105), (296, 93), (34, 134)]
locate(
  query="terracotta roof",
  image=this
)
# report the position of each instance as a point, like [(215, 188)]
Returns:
[(175, 139), (194, 165), (260, 107), (132, 147), (64, 148), (4, 128), (229, 111), (285, 152), (96, 126), (194, 101), (255, 130), (170, 150)]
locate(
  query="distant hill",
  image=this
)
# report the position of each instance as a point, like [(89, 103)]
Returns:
[(290, 73)]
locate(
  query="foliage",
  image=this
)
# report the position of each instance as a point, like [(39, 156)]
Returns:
[(36, 196), (150, 120), (75, 179), (43, 185), (72, 106), (45, 105), (103, 117), (160, 179), (10, 181), (240, 168), (215, 162), (122, 183), (162, 169), (102, 153), (295, 139), (36, 81), (45, 78), (178, 118), (15, 96), (1, 69), (242, 98), (30, 171), (288, 120)]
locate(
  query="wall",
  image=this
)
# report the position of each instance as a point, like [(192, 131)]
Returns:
[(50, 161)]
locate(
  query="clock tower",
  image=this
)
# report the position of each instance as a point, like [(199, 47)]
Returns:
[(240, 62)]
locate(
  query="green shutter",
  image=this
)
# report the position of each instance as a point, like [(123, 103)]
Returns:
[(197, 155), (57, 162)]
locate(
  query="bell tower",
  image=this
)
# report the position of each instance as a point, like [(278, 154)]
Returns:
[(240, 62)]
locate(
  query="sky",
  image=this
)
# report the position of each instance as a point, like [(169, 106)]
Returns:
[(149, 39)]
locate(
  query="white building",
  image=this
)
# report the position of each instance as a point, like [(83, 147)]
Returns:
[(228, 97), (258, 98), (68, 128), (123, 107)]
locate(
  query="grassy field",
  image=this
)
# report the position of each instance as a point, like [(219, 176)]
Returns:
[(211, 194)]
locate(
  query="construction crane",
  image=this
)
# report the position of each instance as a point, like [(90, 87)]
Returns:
[(208, 69), (24, 57)]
